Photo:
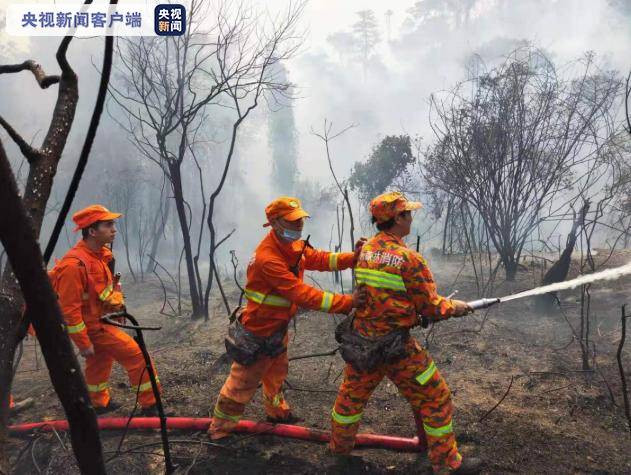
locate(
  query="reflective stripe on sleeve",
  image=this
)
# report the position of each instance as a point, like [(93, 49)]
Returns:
[(333, 256), (327, 301), (75, 328), (426, 375), (438, 431), (340, 419), (107, 291), (379, 279)]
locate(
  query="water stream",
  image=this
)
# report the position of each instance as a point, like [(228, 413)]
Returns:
[(609, 274)]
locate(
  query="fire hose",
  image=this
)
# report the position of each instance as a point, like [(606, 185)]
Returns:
[(400, 444), (114, 320), (188, 423)]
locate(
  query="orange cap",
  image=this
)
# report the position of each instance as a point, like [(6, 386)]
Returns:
[(91, 215), (285, 207), (388, 205)]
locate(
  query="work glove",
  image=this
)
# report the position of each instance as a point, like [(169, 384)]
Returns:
[(358, 248), (114, 303), (461, 308)]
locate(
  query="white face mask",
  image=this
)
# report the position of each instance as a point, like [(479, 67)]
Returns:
[(291, 235)]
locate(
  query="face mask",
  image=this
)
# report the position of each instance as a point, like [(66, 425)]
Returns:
[(291, 235)]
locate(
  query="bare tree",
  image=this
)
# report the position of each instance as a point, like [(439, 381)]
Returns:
[(327, 136), (19, 238), (522, 145), (169, 85), (42, 167)]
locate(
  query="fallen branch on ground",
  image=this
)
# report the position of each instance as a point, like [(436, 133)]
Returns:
[(512, 378)]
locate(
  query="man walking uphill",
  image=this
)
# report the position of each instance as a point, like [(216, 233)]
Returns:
[(399, 286), (275, 289), (87, 291)]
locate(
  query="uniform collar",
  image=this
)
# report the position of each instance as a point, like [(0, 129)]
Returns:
[(386, 236), (104, 254)]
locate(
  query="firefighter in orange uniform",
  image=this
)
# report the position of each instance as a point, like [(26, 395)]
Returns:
[(274, 290), (399, 286), (87, 290)]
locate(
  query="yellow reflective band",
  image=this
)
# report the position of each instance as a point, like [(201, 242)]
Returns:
[(327, 301), (340, 419), (106, 292), (379, 279), (276, 401), (261, 298), (75, 328), (333, 260), (95, 388), (438, 431), (144, 386), (222, 415), (277, 301), (426, 375)]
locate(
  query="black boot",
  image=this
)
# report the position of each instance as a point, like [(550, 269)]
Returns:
[(112, 406), (469, 466), (150, 411), (288, 419)]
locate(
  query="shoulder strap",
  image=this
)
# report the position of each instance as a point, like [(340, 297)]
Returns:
[(83, 263)]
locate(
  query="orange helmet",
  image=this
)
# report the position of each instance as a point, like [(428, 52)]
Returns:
[(387, 205), (285, 207), (91, 215)]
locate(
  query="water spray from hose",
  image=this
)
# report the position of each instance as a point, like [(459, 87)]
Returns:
[(609, 274)]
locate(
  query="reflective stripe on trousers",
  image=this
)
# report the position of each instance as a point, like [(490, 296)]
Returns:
[(75, 328), (95, 388)]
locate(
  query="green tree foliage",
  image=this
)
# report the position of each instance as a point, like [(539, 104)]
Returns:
[(387, 162), (366, 31)]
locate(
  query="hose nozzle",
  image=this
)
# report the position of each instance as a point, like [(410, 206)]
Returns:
[(482, 303)]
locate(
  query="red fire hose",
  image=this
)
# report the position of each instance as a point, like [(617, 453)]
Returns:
[(190, 423)]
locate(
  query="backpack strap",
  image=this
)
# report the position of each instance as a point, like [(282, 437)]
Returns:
[(91, 287)]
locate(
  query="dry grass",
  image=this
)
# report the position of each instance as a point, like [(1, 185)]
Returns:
[(554, 419)]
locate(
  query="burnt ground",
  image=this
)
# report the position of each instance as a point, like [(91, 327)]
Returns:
[(555, 418)]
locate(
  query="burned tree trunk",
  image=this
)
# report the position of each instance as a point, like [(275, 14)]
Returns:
[(43, 166), (559, 270), (19, 239), (178, 195)]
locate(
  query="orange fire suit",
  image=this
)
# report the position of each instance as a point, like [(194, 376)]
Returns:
[(399, 286), (274, 294), (84, 284)]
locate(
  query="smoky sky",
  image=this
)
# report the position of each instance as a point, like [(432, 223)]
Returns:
[(383, 93)]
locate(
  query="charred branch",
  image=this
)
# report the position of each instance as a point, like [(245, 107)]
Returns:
[(19, 239), (42, 79)]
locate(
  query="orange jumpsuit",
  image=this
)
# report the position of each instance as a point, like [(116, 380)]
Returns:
[(274, 294), (399, 286), (84, 284)]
